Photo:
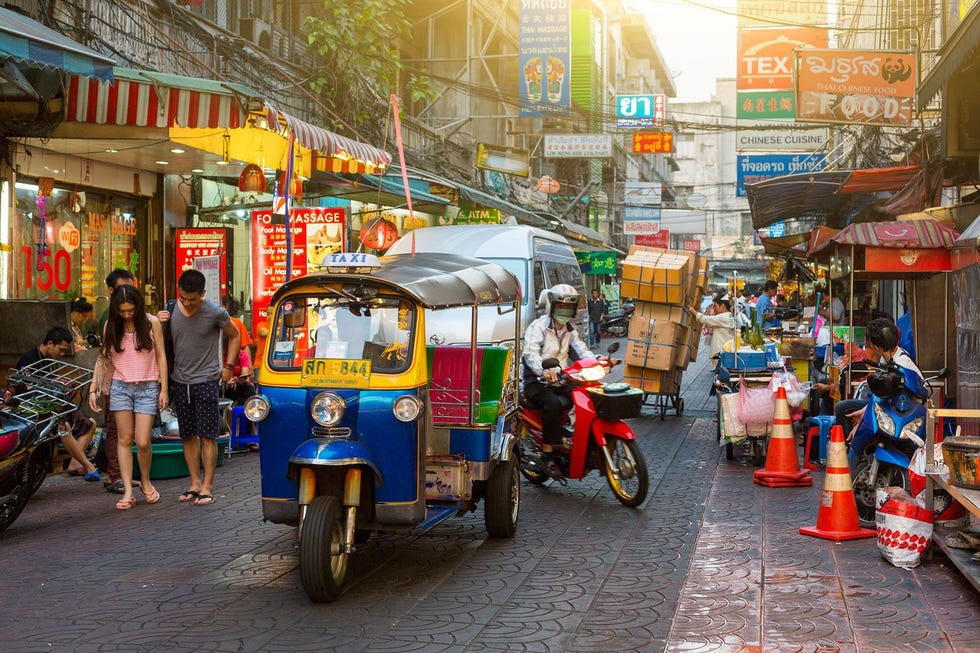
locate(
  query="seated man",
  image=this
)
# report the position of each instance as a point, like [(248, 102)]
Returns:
[(57, 343), (882, 345)]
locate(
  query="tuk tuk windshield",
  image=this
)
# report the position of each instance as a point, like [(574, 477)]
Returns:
[(324, 326)]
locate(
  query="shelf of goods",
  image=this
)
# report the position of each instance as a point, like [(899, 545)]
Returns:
[(970, 499)]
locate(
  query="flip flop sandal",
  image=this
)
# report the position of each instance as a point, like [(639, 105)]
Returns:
[(93, 477), (125, 504), (115, 488), (152, 497), (204, 500), (189, 495)]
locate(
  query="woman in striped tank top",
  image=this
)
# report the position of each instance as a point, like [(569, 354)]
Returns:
[(133, 342)]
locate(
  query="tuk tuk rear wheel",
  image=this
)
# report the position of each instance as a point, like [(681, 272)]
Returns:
[(322, 560), (503, 499)]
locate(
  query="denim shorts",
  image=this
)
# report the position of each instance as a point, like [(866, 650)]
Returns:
[(140, 397)]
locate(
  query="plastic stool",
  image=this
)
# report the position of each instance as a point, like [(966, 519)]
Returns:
[(240, 436), (820, 427)]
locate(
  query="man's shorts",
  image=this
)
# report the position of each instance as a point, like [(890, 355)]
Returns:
[(196, 408), (140, 397)]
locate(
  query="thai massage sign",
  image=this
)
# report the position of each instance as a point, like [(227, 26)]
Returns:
[(545, 56), (317, 233), (855, 87), (191, 243)]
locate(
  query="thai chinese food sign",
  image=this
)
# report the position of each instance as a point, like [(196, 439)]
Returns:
[(855, 87), (545, 56)]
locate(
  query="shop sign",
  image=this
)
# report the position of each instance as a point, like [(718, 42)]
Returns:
[(774, 139), (191, 243), (691, 245), (544, 57), (643, 193), (855, 87), (892, 259), (508, 160), (317, 232), (69, 237), (653, 143), (578, 146), (765, 105), (477, 216), (753, 168), (661, 239), (596, 262), (641, 110), (763, 13), (765, 60), (641, 220)]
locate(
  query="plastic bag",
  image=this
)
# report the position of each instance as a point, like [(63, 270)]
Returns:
[(755, 405), (732, 429), (904, 530), (949, 512), (795, 392)]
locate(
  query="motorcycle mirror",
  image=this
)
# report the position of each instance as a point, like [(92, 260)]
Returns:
[(613, 348), (548, 363)]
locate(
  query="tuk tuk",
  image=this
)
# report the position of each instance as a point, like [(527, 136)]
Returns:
[(364, 426)]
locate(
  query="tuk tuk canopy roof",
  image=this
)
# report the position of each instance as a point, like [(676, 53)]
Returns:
[(434, 280)]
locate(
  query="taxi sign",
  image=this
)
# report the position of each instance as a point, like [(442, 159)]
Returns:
[(350, 260), (351, 373)]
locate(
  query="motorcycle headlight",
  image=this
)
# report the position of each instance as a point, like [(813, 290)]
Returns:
[(911, 430), (885, 422), (257, 408), (407, 408), (327, 409)]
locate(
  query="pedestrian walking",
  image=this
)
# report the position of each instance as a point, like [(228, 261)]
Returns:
[(113, 484), (196, 327), (133, 346), (597, 308)]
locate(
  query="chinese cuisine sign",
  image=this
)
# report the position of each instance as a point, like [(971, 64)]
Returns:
[(316, 234), (545, 56), (855, 86)]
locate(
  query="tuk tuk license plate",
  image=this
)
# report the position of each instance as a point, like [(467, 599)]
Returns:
[(336, 373)]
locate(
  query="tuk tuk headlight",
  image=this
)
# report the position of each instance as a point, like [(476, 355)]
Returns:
[(257, 408), (327, 409), (407, 408)]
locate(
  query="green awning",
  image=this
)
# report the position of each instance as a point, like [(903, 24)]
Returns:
[(29, 43)]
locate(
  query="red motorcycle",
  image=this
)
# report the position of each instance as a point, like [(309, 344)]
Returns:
[(599, 437)]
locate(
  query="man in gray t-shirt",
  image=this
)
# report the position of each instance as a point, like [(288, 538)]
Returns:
[(196, 327)]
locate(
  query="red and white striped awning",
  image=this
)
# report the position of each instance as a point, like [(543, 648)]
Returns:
[(145, 99), (327, 142)]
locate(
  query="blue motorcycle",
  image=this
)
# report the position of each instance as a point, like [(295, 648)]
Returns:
[(890, 431)]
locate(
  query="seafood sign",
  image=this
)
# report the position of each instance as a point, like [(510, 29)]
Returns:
[(545, 56)]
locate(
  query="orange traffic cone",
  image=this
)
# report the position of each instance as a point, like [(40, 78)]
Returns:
[(782, 464), (837, 518)]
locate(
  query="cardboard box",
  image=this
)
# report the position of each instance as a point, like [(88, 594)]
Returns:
[(652, 276), (666, 312), (695, 279), (651, 343), (653, 381)]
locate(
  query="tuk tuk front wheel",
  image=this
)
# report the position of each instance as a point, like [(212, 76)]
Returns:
[(503, 499), (322, 560)]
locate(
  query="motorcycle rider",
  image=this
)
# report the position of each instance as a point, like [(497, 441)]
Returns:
[(552, 336), (882, 345)]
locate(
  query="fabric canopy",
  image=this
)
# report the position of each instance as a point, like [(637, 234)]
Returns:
[(874, 180), (32, 44), (794, 244), (914, 234), (327, 142), (811, 195)]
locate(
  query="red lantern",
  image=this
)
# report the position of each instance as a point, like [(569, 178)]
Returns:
[(378, 234), (295, 188), (252, 179)]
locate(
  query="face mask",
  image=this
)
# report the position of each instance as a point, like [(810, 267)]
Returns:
[(563, 315)]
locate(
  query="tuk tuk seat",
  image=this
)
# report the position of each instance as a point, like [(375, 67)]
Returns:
[(449, 382)]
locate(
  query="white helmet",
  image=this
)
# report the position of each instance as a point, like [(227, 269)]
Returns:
[(562, 293)]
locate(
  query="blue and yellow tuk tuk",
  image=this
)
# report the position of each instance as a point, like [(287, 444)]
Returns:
[(364, 426)]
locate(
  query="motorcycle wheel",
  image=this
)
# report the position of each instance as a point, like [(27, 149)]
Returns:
[(37, 469), (322, 562), (11, 508), (503, 500), (631, 483), (864, 494), (616, 331)]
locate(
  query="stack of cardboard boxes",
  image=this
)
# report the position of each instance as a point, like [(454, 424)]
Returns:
[(663, 337)]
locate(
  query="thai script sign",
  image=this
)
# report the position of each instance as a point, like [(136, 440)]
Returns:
[(653, 142), (765, 59), (660, 239), (642, 193), (545, 56), (774, 139), (765, 105), (855, 86), (753, 168), (191, 243), (641, 219), (766, 13), (578, 146), (641, 110)]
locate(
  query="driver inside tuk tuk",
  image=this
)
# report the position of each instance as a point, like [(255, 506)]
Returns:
[(552, 336)]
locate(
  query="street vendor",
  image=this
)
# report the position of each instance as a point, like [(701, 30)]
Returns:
[(722, 322), (765, 309)]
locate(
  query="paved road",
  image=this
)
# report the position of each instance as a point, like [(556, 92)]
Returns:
[(711, 562)]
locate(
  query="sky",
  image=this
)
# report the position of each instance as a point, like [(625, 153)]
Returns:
[(698, 43)]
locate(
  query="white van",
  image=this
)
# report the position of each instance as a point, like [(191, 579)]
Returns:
[(538, 258)]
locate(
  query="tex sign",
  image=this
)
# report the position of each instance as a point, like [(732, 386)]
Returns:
[(766, 56)]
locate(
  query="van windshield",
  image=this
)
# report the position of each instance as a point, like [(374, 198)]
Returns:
[(318, 326)]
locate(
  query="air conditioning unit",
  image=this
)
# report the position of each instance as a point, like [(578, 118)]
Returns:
[(257, 31)]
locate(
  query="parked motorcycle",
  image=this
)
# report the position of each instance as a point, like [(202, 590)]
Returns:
[(600, 439), (29, 426), (616, 327), (895, 419)]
